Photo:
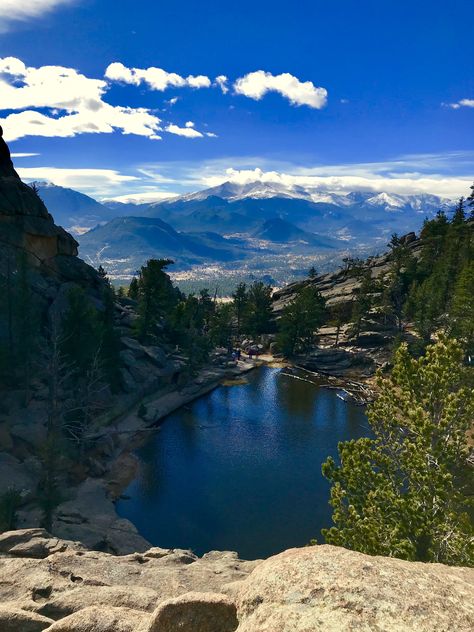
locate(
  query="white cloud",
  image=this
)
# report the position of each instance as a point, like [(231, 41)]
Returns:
[(82, 179), (222, 82), (444, 187), (142, 198), (24, 155), (463, 103), (74, 104), (188, 131), (255, 85), (448, 175), (22, 10), (155, 78)]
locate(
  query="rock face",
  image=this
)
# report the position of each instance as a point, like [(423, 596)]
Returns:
[(332, 589), (342, 353), (70, 589), (195, 612)]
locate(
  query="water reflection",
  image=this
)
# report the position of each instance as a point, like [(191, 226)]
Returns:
[(240, 468)]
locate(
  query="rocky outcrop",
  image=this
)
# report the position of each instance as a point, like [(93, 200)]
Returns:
[(357, 354), (332, 589), (70, 589)]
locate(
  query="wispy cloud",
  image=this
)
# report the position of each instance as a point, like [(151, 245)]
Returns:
[(446, 175), (463, 103), (87, 180), (12, 11), (24, 154), (257, 84)]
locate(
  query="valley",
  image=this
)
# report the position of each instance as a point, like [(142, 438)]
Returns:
[(235, 233)]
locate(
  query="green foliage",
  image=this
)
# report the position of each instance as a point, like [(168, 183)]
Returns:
[(240, 301), (220, 329), (404, 492), (258, 315), (156, 297), (300, 320), (461, 323), (9, 503), (81, 331), (110, 343), (363, 301)]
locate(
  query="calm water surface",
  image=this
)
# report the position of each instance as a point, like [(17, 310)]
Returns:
[(240, 469)]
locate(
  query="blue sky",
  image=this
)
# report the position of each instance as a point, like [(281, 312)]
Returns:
[(128, 97)]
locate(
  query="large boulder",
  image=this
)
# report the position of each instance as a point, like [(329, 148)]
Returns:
[(101, 619), (14, 619), (195, 612), (333, 589)]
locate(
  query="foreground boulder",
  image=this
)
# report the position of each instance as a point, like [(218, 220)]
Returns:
[(17, 620), (195, 612), (332, 589), (103, 619), (59, 586)]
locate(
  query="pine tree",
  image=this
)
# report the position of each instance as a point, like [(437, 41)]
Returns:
[(240, 300), (461, 315), (300, 320), (405, 492), (133, 289), (82, 331), (110, 344), (259, 314), (156, 296), (363, 302)]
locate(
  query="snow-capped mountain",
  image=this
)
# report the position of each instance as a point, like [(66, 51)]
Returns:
[(258, 190), (233, 207)]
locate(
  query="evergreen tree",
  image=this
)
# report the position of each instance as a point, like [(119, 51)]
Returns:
[(300, 320), (156, 297), (470, 202), (258, 314), (312, 273), (133, 289), (82, 331), (110, 344), (363, 302), (461, 320), (240, 301), (220, 329), (404, 493)]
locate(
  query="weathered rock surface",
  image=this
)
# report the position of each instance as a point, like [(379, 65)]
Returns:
[(320, 588), (333, 589), (103, 619), (195, 612), (16, 620)]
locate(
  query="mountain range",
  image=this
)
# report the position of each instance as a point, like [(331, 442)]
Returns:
[(263, 227)]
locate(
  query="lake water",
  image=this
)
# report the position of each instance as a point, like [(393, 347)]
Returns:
[(240, 469)]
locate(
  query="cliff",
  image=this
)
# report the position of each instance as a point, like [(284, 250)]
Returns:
[(30, 238), (58, 586)]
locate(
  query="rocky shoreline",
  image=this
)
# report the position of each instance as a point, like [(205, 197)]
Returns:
[(89, 515)]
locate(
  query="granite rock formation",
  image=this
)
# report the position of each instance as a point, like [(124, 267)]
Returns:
[(55, 585)]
